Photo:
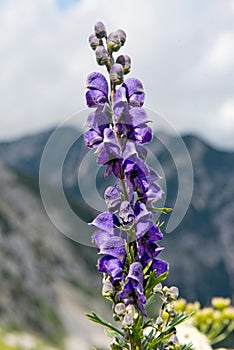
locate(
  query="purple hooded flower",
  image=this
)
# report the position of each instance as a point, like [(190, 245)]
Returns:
[(133, 289), (154, 192), (109, 154), (136, 171), (126, 213), (110, 244), (97, 121), (107, 222), (131, 121), (134, 92), (160, 266), (112, 266), (112, 197), (97, 93)]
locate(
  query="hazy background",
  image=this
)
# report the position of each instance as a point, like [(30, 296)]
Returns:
[(182, 50)]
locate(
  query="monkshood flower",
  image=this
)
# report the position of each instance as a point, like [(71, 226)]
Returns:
[(127, 233)]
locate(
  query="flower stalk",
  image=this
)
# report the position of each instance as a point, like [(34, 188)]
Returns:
[(128, 233)]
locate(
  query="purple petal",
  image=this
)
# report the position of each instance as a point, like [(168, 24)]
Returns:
[(154, 193), (107, 222), (126, 212), (99, 237), (115, 247), (154, 234), (97, 81), (99, 119), (139, 116), (135, 272), (92, 138), (113, 198), (120, 104), (111, 266), (141, 151), (160, 266), (141, 134), (134, 91), (117, 168), (94, 98)]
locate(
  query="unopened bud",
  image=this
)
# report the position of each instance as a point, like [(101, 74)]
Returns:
[(120, 308), (174, 292), (94, 41), (158, 288), (116, 73), (132, 311), (113, 42), (128, 320), (101, 55), (173, 340), (107, 289), (159, 321), (125, 61), (100, 30), (122, 36)]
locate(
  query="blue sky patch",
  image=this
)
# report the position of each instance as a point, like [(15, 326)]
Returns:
[(65, 4)]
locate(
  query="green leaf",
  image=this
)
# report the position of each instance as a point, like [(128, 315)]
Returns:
[(153, 281), (162, 210), (137, 330), (95, 318)]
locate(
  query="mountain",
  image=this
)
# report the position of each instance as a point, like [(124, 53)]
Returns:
[(41, 268), (46, 283)]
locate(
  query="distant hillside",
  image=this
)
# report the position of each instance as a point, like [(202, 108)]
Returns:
[(36, 258)]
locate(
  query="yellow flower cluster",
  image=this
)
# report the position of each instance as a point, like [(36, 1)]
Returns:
[(215, 321)]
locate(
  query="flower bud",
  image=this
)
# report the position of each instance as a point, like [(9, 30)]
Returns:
[(113, 42), (132, 311), (158, 288), (94, 41), (174, 292), (116, 73), (128, 320), (101, 55), (122, 36), (159, 321), (173, 340), (100, 30), (107, 288), (120, 308), (125, 61)]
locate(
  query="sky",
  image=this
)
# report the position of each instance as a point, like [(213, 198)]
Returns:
[(183, 51)]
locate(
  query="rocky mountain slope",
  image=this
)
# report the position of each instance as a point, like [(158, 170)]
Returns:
[(46, 285)]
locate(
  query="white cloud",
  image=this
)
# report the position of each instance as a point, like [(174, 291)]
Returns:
[(226, 113), (221, 54), (45, 58)]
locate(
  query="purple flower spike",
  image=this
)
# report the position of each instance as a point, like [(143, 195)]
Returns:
[(98, 90), (127, 236)]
